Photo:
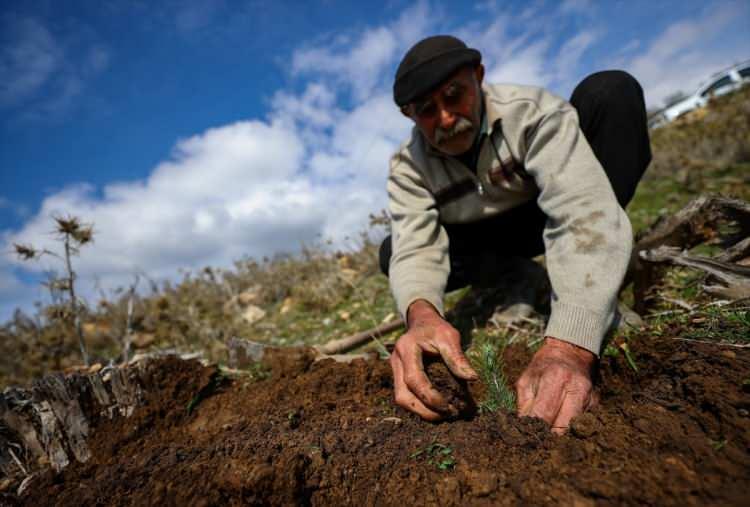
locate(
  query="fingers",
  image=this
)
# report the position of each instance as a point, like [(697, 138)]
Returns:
[(450, 351), (408, 358), (404, 398), (548, 399), (557, 401), (573, 405), (525, 395)]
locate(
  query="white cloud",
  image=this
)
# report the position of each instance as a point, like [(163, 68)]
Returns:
[(9, 284), (688, 51), (195, 207), (363, 65), (28, 57), (510, 56), (44, 73), (528, 66), (568, 61), (376, 48)]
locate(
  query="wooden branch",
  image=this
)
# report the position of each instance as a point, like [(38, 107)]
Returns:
[(243, 352), (736, 252), (721, 344), (735, 277), (694, 224), (352, 342)]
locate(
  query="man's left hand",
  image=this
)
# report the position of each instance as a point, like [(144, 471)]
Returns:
[(557, 385)]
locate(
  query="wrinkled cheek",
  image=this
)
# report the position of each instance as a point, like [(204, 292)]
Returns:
[(428, 131)]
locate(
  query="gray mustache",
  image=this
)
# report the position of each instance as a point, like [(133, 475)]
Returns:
[(461, 125)]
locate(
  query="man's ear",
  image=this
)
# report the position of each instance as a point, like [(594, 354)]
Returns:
[(405, 111), (479, 73)]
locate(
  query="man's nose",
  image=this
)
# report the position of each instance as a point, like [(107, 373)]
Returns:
[(447, 119)]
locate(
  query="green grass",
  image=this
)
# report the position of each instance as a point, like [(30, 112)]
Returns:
[(726, 325), (437, 454)]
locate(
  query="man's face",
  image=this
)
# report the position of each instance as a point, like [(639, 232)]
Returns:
[(450, 116)]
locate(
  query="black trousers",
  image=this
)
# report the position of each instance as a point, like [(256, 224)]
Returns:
[(612, 117)]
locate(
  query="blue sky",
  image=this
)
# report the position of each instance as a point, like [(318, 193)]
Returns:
[(194, 133)]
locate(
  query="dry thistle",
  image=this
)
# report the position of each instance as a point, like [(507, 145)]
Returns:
[(73, 234), (69, 225), (72, 226), (84, 235), (25, 252)]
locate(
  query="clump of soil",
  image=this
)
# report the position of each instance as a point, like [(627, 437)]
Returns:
[(676, 432), (455, 390)]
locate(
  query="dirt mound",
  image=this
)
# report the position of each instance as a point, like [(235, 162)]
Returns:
[(676, 432)]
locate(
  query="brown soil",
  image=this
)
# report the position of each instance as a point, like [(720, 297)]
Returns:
[(676, 432), (455, 391)]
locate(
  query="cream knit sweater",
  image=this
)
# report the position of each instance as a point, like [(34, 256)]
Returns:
[(534, 150)]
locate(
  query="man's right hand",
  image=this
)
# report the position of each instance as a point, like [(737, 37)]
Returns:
[(428, 333)]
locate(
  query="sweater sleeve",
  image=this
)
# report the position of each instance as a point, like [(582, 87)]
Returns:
[(419, 264), (587, 236)]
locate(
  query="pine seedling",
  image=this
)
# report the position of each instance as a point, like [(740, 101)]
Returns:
[(490, 369), (73, 234)]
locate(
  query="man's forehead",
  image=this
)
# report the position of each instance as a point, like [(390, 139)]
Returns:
[(463, 74)]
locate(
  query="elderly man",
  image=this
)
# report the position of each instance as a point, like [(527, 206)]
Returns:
[(503, 171)]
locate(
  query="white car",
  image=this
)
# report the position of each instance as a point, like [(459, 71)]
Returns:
[(720, 83)]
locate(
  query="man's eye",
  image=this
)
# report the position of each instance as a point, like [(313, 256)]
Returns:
[(453, 94), (426, 109)]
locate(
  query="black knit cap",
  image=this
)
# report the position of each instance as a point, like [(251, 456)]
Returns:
[(428, 63)]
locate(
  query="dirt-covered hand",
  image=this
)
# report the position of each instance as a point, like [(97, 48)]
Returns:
[(557, 385), (428, 333)]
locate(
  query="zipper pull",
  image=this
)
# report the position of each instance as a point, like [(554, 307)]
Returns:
[(480, 187)]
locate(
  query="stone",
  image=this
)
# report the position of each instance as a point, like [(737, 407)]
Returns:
[(251, 296), (142, 340), (389, 318), (253, 314), (248, 297), (627, 318), (286, 306), (349, 275)]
